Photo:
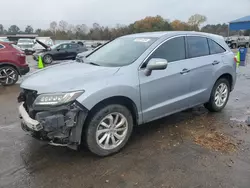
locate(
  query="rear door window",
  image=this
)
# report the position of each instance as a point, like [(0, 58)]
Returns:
[(197, 46), (214, 47), (73, 46), (171, 50), (64, 46)]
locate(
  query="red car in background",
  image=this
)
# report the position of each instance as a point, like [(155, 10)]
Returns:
[(12, 63)]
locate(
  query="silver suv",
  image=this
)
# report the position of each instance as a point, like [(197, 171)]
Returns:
[(129, 81)]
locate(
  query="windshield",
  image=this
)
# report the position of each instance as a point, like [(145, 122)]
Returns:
[(55, 46), (25, 41), (120, 52)]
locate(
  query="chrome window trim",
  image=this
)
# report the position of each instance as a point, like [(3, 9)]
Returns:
[(146, 58), (183, 35)]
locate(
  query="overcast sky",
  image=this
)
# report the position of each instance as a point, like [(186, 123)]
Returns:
[(39, 13)]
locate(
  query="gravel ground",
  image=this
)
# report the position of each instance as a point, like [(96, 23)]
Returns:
[(193, 148)]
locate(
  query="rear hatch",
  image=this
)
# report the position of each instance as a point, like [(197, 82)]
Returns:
[(21, 57)]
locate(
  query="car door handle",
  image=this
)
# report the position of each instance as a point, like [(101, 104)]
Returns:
[(184, 71), (215, 62)]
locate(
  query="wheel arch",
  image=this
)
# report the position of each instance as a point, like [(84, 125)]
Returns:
[(122, 100), (229, 77), (11, 65)]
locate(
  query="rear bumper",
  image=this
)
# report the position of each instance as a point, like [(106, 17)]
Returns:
[(29, 51), (24, 70)]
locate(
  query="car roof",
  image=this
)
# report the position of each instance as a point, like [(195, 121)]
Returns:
[(25, 39), (159, 34), (4, 43)]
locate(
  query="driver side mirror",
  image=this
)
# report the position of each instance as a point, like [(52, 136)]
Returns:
[(155, 64), (58, 49)]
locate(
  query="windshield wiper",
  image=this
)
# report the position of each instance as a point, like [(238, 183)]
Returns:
[(93, 63)]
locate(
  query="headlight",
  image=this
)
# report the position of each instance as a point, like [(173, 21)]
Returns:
[(55, 99)]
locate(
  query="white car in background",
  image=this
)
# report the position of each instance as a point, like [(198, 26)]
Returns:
[(4, 39), (26, 45)]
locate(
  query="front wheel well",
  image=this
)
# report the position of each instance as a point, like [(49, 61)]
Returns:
[(229, 78), (125, 101)]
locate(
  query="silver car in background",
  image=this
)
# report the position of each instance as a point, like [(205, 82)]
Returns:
[(129, 81)]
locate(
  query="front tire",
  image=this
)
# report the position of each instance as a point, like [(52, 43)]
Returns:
[(219, 95), (109, 129), (8, 75), (47, 59)]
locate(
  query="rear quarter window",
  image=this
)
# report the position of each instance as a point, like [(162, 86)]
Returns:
[(214, 47)]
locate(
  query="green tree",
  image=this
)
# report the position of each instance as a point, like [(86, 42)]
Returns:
[(1, 29), (13, 29), (29, 29), (38, 31)]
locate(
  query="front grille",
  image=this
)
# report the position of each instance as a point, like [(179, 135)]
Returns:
[(29, 99)]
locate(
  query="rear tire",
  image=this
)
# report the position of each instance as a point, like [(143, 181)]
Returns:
[(219, 96), (8, 75), (48, 59), (108, 129)]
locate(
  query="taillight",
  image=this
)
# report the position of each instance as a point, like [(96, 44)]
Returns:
[(21, 55)]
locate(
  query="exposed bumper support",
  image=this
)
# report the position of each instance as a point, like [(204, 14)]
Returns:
[(62, 127), (28, 121)]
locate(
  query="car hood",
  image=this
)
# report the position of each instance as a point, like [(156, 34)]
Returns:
[(84, 54), (69, 76), (42, 44)]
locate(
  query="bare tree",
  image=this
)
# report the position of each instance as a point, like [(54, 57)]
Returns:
[(63, 25), (196, 20), (53, 27)]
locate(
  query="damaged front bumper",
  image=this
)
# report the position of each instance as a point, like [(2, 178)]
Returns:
[(59, 126)]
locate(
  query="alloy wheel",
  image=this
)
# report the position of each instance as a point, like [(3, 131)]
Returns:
[(8, 76), (48, 59), (111, 131), (221, 95)]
